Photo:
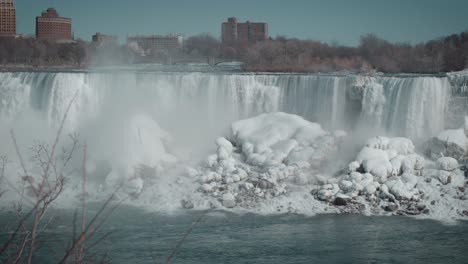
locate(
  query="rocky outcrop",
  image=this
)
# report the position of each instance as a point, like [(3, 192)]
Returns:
[(449, 143)]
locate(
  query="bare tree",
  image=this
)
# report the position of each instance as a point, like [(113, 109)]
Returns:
[(40, 192)]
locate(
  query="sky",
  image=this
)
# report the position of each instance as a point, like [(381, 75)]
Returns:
[(332, 21)]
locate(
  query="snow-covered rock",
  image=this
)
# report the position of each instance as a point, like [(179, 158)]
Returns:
[(445, 177), (229, 201), (274, 154), (402, 146), (265, 151), (447, 164), (449, 143)]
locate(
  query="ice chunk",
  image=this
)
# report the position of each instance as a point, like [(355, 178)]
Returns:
[(445, 177), (403, 146), (399, 189), (225, 148), (368, 153), (380, 168), (412, 162), (268, 139), (456, 136), (354, 166), (447, 164), (229, 201)]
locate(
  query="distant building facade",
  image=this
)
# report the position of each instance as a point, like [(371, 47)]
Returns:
[(105, 40), (50, 26), (149, 44), (7, 18), (233, 31)]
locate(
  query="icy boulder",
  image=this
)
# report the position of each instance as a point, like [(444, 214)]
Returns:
[(384, 157), (385, 166), (449, 143), (402, 188), (229, 201), (268, 139), (447, 164), (263, 154), (402, 146)]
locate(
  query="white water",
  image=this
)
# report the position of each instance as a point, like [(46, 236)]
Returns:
[(111, 109), (413, 106)]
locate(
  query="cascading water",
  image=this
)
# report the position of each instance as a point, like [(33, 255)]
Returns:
[(167, 122), (412, 106)]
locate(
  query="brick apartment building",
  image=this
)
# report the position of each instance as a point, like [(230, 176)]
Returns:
[(51, 26), (233, 31), (7, 18)]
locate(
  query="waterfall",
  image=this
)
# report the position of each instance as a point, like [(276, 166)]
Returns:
[(415, 106), (206, 103)]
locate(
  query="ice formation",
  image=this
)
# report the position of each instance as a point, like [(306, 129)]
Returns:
[(273, 157), (269, 161)]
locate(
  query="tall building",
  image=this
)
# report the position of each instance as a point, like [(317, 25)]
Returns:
[(51, 26), (105, 40), (149, 44), (7, 18), (233, 31)]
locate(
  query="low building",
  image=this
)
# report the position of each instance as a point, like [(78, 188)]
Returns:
[(154, 43), (50, 26), (105, 40), (7, 18), (233, 31)]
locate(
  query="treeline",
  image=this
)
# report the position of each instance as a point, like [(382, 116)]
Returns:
[(42, 53), (280, 54), (373, 53)]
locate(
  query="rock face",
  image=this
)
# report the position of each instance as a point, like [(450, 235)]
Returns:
[(449, 143), (340, 201), (391, 207), (186, 204), (445, 177)]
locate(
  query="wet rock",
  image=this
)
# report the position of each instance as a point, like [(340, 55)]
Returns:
[(186, 204), (391, 207), (264, 184), (444, 145), (314, 192), (324, 195), (421, 207), (465, 212), (433, 203), (445, 178), (340, 201), (461, 189)]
